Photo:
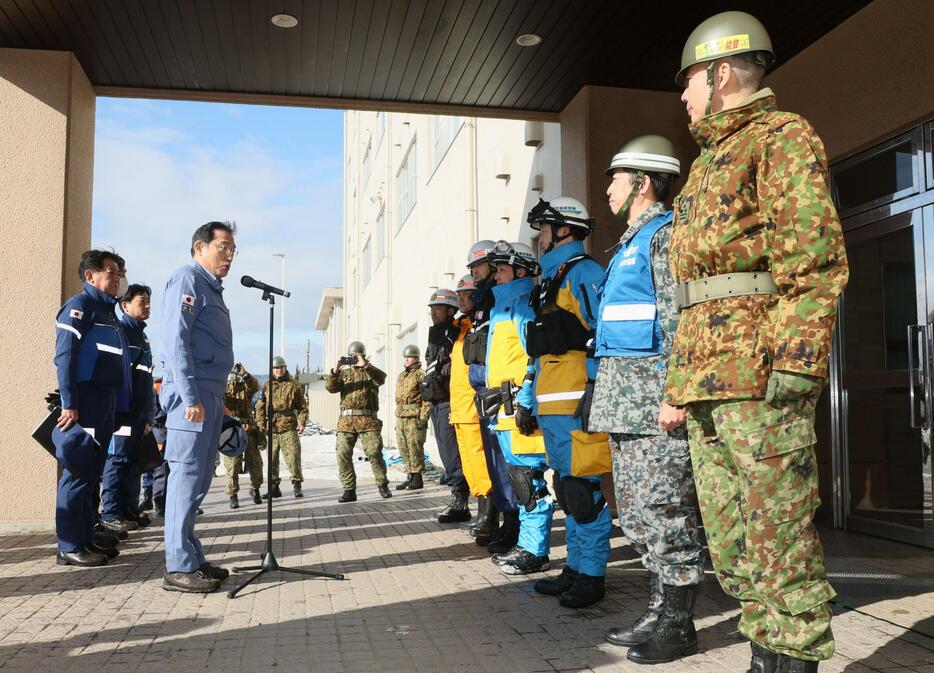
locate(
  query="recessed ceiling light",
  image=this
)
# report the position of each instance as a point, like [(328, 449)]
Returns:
[(284, 21), (529, 40)]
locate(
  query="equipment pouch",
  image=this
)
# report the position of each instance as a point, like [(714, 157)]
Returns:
[(555, 333), (488, 403), (475, 347)]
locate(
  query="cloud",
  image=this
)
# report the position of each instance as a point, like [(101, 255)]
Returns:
[(155, 182)]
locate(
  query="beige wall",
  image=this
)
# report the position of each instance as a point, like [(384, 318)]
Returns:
[(594, 125), (866, 80), (46, 164)]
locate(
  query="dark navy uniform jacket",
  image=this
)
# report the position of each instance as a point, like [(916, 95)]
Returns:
[(197, 341), (89, 346), (138, 357)]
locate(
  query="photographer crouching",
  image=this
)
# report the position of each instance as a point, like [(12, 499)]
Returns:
[(358, 382)]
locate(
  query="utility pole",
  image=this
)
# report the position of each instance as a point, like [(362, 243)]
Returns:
[(282, 309)]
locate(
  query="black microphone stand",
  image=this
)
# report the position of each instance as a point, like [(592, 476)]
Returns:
[(269, 562)]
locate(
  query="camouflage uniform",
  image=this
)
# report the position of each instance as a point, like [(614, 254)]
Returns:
[(757, 199), (359, 391), (289, 412), (238, 403), (411, 418), (652, 475)]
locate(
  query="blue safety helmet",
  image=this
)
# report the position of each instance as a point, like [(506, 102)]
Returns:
[(232, 441)]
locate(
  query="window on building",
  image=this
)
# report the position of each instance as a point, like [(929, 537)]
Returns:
[(380, 233), (367, 164), (444, 130), (406, 186), (410, 335), (365, 262)]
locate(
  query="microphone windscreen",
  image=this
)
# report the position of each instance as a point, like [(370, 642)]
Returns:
[(246, 281)]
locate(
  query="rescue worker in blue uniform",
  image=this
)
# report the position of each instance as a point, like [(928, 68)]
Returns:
[(197, 352), (478, 308), (509, 386), (566, 315), (120, 485), (89, 366)]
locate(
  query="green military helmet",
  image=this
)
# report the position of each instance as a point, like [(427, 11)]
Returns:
[(356, 347), (649, 153), (411, 351), (726, 34), (278, 361)]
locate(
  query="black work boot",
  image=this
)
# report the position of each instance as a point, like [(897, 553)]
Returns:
[(257, 498), (274, 491), (642, 628), (674, 635), (349, 495), (525, 563), (788, 664), (81, 557), (469, 526), (234, 502), (586, 590), (508, 535), (457, 509), (416, 482), (297, 489), (762, 660), (405, 484), (384, 491), (489, 524), (555, 586), (146, 503)]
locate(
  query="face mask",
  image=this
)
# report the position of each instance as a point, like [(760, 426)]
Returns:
[(124, 286)]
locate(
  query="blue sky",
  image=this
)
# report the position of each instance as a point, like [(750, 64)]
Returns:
[(162, 168)]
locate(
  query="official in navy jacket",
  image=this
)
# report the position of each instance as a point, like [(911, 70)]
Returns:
[(89, 366), (197, 353)]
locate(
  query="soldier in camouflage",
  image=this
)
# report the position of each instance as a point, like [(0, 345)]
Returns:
[(412, 414), (758, 251), (358, 381), (241, 386), (289, 413), (652, 476)]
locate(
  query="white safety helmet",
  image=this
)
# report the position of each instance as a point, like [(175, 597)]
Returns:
[(478, 252), (560, 212), (443, 297), (515, 254), (466, 284)]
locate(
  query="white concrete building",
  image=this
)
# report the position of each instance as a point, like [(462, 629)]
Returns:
[(418, 191)]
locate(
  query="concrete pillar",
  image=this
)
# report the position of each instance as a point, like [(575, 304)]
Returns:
[(594, 125), (46, 169)]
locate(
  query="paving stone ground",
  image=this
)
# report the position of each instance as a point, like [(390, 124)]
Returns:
[(418, 597)]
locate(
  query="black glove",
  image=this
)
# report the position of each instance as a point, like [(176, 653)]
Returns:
[(583, 407), (525, 421)]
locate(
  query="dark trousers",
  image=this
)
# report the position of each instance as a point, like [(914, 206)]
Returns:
[(496, 465), (447, 445), (75, 506), (120, 486)]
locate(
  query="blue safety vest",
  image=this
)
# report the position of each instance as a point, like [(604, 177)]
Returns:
[(628, 325)]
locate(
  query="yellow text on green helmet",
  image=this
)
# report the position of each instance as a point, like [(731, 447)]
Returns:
[(726, 34)]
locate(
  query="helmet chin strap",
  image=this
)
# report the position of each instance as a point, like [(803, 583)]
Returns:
[(710, 86), (623, 212), (556, 239)]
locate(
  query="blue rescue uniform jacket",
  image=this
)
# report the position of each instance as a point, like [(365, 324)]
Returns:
[(139, 360), (89, 345)]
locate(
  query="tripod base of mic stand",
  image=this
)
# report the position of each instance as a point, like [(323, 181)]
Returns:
[(270, 564)]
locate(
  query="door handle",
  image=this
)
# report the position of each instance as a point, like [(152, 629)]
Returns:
[(917, 377)]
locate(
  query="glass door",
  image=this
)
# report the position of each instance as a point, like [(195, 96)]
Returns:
[(883, 379)]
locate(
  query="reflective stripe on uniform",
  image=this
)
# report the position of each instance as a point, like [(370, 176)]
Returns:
[(123, 431), (69, 328), (144, 368), (558, 397), (109, 349), (616, 312)]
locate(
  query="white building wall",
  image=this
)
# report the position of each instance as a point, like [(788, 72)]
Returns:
[(459, 199)]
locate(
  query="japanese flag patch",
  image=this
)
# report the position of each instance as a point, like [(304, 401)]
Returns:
[(75, 313), (188, 303)]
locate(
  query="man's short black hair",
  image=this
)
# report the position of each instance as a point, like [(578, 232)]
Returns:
[(93, 260), (661, 182), (205, 232), (136, 289)]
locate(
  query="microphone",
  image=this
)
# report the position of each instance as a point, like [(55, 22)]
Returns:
[(249, 281)]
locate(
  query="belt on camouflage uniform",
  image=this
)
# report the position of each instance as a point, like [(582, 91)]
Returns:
[(725, 285), (357, 412), (413, 405)]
